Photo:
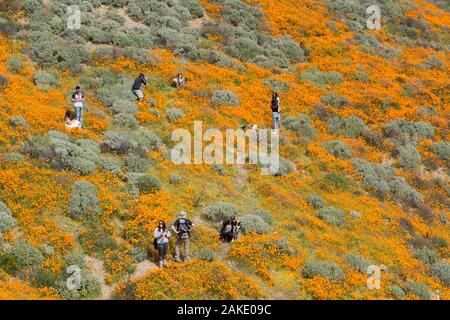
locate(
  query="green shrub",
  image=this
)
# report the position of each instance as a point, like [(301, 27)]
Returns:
[(338, 149), (225, 97), (220, 211), (253, 224), (285, 167), (336, 180), (409, 157), (195, 8), (300, 124), (46, 80), (141, 183), (357, 263), (6, 219), (321, 79), (119, 141), (244, 49), (84, 201), (329, 270), (334, 100), (441, 149), (139, 254), (174, 114), (419, 289), (118, 106), (282, 245), (174, 179), (349, 126), (135, 163), (109, 164), (124, 119), (276, 85), (441, 271), (396, 291), (14, 65), (383, 180), (27, 255), (17, 121), (316, 201), (331, 216), (206, 254), (9, 263), (426, 255), (264, 214), (406, 132)]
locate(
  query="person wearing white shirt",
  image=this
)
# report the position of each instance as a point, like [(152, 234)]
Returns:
[(162, 235), (78, 100)]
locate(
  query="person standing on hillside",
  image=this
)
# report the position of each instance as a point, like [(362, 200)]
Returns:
[(78, 103), (136, 88), (161, 242), (230, 230), (276, 110), (182, 227)]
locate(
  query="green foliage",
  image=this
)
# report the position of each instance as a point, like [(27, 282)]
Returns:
[(174, 114), (357, 263), (17, 121), (331, 216), (409, 157), (321, 79), (139, 254), (441, 149), (174, 179), (220, 211), (338, 149), (264, 214), (135, 163), (253, 224), (84, 201), (126, 141), (349, 126), (300, 124), (109, 164), (426, 255), (383, 180), (206, 254), (419, 289), (276, 85), (7, 221), (14, 65), (9, 263), (334, 100), (225, 97), (396, 291), (441, 271), (316, 201), (141, 183), (27, 255), (124, 119), (46, 80), (406, 132), (329, 270)]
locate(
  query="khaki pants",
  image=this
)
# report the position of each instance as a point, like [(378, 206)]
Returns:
[(179, 242)]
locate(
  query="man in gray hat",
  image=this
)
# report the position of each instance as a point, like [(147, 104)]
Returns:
[(182, 227)]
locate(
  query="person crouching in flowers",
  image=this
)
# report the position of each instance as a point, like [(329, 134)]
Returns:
[(70, 121), (161, 242)]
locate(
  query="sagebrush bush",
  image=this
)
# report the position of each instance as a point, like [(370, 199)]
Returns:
[(334, 100), (141, 183), (119, 141), (46, 80), (109, 164), (357, 262), (118, 106), (329, 270), (285, 167), (321, 79), (407, 132), (174, 114), (441, 271), (300, 124), (225, 97), (419, 289), (7, 221), (253, 224), (124, 119), (83, 201), (220, 211), (264, 214), (338, 149), (138, 253), (441, 149), (14, 65), (283, 246), (206, 254), (17, 121), (426, 255), (408, 157), (9, 263), (26, 254), (276, 85), (351, 126), (396, 292), (383, 180), (316, 201), (331, 216), (135, 163), (174, 178)]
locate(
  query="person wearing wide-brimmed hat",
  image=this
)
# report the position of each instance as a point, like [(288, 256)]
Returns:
[(182, 227)]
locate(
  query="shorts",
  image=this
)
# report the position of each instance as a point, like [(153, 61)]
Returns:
[(139, 94)]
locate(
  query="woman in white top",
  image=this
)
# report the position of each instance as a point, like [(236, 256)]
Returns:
[(70, 121), (276, 110), (161, 242)]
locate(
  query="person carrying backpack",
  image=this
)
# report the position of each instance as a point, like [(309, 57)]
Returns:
[(182, 227), (161, 242), (275, 106), (136, 88), (78, 99), (230, 229)]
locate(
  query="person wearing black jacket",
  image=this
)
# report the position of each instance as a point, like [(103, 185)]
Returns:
[(136, 88), (230, 229)]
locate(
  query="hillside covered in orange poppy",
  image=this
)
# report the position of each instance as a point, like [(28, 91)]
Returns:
[(363, 142)]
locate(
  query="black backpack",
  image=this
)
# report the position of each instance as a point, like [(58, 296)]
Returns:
[(184, 227), (274, 105)]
